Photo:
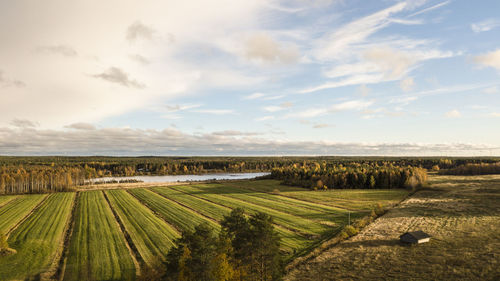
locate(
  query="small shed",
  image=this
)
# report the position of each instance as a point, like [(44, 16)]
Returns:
[(415, 237)]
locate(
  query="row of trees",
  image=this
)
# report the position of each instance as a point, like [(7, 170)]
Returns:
[(474, 169), (351, 176), (245, 249)]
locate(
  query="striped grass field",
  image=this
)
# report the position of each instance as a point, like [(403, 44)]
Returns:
[(151, 235), (287, 220), (290, 239), (97, 250), (180, 217), (37, 239), (15, 210), (6, 198)]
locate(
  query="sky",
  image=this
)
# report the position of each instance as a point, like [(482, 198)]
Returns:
[(260, 77)]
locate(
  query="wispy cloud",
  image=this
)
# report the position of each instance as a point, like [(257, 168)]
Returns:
[(23, 123), (118, 76), (81, 126), (485, 25), (343, 106), (254, 96), (453, 114), (63, 50), (215, 111), (138, 30), (437, 6), (265, 118), (491, 59)]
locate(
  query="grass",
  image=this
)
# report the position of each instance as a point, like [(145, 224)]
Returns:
[(351, 199), (97, 250), (14, 211), (151, 236), (462, 214), (180, 217), (37, 239), (287, 220), (290, 240), (6, 198)]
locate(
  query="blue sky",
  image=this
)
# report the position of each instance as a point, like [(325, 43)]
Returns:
[(260, 77)]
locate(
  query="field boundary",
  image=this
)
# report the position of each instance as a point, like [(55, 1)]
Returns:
[(134, 253), (187, 207), (12, 229), (61, 266), (179, 231), (305, 235), (14, 197)]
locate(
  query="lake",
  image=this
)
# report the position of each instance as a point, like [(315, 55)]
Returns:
[(187, 178)]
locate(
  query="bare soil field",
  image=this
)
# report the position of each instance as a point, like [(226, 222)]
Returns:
[(461, 213)]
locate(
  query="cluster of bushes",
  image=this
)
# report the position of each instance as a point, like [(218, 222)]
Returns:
[(245, 249), (351, 176), (351, 230), (473, 169)]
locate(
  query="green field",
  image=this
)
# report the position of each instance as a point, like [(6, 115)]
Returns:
[(113, 233), (97, 250), (151, 236), (37, 239), (15, 210)]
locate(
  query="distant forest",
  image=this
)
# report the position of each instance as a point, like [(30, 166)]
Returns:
[(57, 173)]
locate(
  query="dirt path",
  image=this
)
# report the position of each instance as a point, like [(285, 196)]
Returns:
[(461, 213)]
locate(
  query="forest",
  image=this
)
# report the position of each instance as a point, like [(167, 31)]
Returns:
[(57, 173)]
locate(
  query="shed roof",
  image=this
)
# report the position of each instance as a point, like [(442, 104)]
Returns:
[(417, 234)]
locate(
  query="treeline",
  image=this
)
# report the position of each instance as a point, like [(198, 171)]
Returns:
[(245, 249), (39, 179), (473, 169), (56, 173), (324, 176)]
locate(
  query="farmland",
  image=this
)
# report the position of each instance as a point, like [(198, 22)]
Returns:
[(37, 239), (462, 214), (112, 234)]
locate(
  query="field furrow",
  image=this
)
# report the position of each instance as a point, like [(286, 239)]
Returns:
[(151, 236), (290, 239), (97, 249), (37, 239), (180, 217), (289, 221), (15, 210), (6, 199)]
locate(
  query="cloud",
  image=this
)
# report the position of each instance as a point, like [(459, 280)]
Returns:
[(485, 25), (140, 59), (453, 114), (407, 84), (392, 63), (272, 108), (81, 126), (343, 106), (63, 50), (181, 107), (403, 100), (351, 105), (215, 111), (138, 30), (254, 96), (321, 126), (118, 76), (171, 141), (263, 48), (6, 82), (265, 118), (286, 104), (495, 114), (235, 133), (430, 8), (24, 123), (491, 90), (491, 59)]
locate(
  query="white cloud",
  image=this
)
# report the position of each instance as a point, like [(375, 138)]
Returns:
[(272, 108), (491, 90), (138, 30), (430, 8), (171, 141), (254, 96), (453, 114), (491, 59), (117, 75), (63, 50), (495, 114), (321, 126), (81, 126), (263, 48), (215, 111), (485, 25), (265, 118), (407, 84), (23, 123), (181, 107), (343, 106)]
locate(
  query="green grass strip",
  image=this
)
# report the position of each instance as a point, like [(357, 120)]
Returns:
[(175, 214), (151, 235), (14, 211), (37, 239), (97, 249)]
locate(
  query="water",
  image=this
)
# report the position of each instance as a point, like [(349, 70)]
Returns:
[(187, 178)]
